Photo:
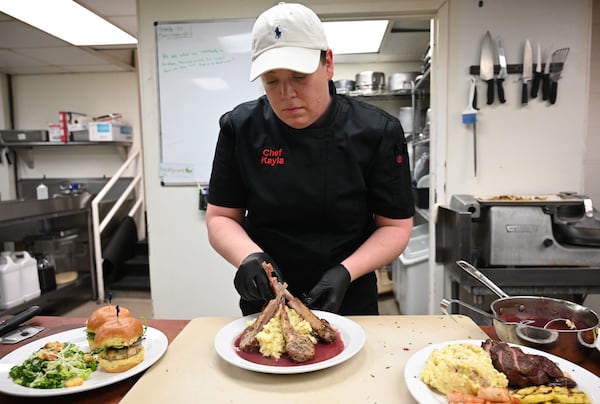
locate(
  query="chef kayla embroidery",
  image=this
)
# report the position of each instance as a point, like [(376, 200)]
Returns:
[(272, 157)]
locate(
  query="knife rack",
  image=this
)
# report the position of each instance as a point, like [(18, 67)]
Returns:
[(515, 69)]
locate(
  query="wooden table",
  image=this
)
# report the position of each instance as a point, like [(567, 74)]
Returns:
[(111, 394), (131, 390)]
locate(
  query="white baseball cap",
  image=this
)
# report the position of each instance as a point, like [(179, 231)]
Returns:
[(287, 36)]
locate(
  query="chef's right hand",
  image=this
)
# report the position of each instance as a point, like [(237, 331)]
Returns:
[(251, 280)]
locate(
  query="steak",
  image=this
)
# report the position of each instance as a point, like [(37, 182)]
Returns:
[(523, 369)]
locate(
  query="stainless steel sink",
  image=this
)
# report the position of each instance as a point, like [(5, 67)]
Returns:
[(18, 209)]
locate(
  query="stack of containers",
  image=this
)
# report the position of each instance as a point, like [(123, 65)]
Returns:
[(19, 280)]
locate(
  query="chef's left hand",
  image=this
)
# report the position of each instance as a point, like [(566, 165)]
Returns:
[(329, 293)]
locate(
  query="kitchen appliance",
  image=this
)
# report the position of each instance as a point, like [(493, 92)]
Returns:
[(531, 245), (370, 81)]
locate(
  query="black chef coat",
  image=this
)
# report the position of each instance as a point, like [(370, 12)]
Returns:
[(310, 194)]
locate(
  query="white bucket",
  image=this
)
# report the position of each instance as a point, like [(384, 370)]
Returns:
[(405, 116), (30, 281), (10, 282)]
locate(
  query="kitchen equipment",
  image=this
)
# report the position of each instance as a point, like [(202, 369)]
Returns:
[(503, 73), (521, 230), (486, 66), (402, 82), (370, 81), (558, 60), (537, 76), (23, 135), (527, 71), (546, 78), (529, 244), (344, 86), (405, 116), (543, 323), (46, 273), (19, 318), (469, 117), (67, 246)]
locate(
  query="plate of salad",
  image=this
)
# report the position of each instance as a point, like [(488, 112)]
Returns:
[(75, 362)]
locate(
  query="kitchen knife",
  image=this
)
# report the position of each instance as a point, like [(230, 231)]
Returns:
[(486, 65), (527, 71), (19, 318), (535, 84), (546, 78), (503, 70), (558, 60)]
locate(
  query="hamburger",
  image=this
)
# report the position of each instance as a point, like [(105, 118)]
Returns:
[(118, 343), (101, 316)]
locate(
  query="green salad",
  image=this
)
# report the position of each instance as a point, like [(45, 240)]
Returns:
[(55, 365)]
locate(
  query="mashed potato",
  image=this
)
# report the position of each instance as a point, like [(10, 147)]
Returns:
[(463, 368), (271, 338)]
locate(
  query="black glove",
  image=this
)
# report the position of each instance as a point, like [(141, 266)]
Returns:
[(251, 280), (329, 293)]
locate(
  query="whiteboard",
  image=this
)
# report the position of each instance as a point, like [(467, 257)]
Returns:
[(203, 71)]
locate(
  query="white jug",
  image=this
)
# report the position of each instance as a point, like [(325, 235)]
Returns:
[(10, 282), (30, 281)]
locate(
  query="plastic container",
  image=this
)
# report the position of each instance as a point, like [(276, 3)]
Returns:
[(410, 273), (30, 282), (10, 282), (42, 191), (46, 273)]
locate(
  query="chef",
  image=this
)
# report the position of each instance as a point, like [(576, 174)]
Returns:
[(315, 183)]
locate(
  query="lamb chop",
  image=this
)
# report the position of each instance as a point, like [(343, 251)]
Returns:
[(299, 347), (248, 341), (523, 369), (321, 327)]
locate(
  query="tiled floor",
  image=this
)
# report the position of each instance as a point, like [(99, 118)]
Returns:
[(140, 304)]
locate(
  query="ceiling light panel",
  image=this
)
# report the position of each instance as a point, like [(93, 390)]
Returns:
[(351, 37), (68, 21)]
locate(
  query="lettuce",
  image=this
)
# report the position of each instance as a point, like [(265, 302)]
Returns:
[(40, 373)]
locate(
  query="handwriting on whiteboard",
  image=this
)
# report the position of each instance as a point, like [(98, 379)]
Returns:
[(171, 62)]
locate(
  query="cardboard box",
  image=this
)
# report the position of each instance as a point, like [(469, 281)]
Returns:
[(110, 132), (54, 132), (70, 121)]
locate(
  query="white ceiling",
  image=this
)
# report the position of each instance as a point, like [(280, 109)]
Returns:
[(27, 50)]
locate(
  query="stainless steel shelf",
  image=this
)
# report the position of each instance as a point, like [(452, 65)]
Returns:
[(24, 150)]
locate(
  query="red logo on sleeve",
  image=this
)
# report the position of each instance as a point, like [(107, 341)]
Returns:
[(272, 157)]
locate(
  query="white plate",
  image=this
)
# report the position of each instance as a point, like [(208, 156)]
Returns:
[(155, 344), (586, 380), (352, 335)]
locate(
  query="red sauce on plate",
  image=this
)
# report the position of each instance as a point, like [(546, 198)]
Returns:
[(323, 352)]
